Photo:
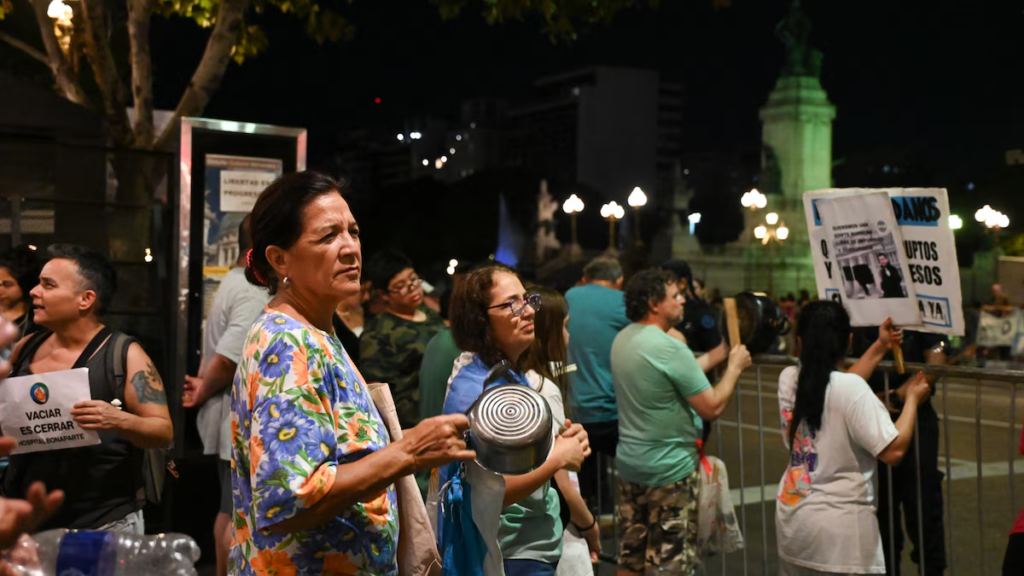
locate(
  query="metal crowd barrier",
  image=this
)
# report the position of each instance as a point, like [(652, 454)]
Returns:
[(979, 553)]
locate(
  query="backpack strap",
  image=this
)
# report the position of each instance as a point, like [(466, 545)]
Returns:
[(119, 345), (28, 350)]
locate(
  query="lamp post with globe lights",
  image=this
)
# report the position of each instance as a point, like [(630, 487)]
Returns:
[(573, 206), (994, 221), (636, 200), (754, 200), (772, 229), (612, 212)]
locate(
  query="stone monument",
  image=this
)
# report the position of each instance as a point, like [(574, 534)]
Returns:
[(796, 157), (797, 128)]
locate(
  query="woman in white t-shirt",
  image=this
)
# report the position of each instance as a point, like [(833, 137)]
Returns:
[(835, 428)]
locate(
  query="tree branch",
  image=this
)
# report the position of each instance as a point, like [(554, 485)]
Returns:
[(66, 83), (139, 14), (210, 71), (27, 49), (104, 70)]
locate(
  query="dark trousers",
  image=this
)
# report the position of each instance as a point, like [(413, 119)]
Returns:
[(1013, 562), (604, 439), (904, 498)]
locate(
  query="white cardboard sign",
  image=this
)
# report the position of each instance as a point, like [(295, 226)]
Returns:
[(868, 266), (35, 410), (928, 252)]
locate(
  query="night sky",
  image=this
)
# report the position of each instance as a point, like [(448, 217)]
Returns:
[(939, 79)]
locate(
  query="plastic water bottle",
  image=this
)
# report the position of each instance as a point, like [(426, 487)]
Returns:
[(92, 553)]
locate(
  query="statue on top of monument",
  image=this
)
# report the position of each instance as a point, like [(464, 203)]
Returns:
[(794, 31)]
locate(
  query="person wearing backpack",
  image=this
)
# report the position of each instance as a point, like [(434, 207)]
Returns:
[(104, 484)]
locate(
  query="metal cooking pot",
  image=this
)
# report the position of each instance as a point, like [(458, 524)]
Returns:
[(761, 321), (510, 427)]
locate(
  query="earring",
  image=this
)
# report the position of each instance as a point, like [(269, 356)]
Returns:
[(287, 281)]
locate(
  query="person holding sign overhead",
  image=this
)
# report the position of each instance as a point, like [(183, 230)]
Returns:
[(103, 483)]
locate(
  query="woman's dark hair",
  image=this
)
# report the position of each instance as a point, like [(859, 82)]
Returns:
[(276, 219), (470, 323), (824, 331), (97, 272), (385, 265), (24, 265), (549, 341), (643, 288)]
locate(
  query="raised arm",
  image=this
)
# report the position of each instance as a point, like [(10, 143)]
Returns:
[(432, 443), (887, 338), (710, 403)]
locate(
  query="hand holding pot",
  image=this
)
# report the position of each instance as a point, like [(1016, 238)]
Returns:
[(437, 441)]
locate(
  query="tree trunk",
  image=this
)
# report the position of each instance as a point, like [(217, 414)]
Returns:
[(97, 48), (139, 14), (66, 83), (210, 71)]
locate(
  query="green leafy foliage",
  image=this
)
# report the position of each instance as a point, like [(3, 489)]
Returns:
[(559, 17)]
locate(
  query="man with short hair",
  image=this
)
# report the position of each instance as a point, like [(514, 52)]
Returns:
[(235, 307), (596, 314), (699, 326), (662, 395), (103, 484), (393, 342)]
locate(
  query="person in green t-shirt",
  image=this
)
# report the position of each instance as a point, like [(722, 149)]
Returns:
[(662, 395), (392, 344)]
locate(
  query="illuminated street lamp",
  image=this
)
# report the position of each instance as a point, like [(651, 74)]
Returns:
[(573, 206), (955, 222), (754, 200), (765, 233), (612, 212), (694, 220), (636, 200)]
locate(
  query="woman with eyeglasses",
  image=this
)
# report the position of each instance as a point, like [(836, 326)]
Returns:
[(493, 318), (392, 344)]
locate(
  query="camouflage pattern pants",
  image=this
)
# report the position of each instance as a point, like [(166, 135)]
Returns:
[(658, 527)]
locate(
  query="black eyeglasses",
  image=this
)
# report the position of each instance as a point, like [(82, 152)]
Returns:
[(407, 287), (518, 306)]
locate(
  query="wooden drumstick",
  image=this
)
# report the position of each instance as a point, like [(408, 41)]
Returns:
[(897, 356)]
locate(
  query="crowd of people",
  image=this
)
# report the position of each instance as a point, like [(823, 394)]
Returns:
[(300, 330)]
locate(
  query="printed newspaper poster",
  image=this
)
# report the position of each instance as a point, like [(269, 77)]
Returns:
[(35, 410), (868, 261), (928, 249)]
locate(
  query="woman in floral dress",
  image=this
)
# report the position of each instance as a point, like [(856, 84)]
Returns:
[(313, 467)]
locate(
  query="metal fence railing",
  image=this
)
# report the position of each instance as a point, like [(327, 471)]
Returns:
[(977, 455)]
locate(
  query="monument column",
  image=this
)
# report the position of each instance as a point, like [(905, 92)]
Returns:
[(796, 128)]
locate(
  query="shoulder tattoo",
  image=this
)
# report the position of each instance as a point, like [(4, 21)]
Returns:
[(148, 386)]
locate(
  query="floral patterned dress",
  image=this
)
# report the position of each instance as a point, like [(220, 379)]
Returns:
[(298, 412)]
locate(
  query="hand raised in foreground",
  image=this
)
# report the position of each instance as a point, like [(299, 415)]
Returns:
[(436, 441), (20, 516)]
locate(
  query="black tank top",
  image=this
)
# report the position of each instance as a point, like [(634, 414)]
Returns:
[(100, 483)]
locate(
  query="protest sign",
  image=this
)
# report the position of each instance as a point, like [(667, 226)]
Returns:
[(35, 410), (867, 260), (998, 327), (928, 250)]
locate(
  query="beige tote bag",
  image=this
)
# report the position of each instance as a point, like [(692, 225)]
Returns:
[(417, 543)]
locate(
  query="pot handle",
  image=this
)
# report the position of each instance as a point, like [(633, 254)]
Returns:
[(783, 325)]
